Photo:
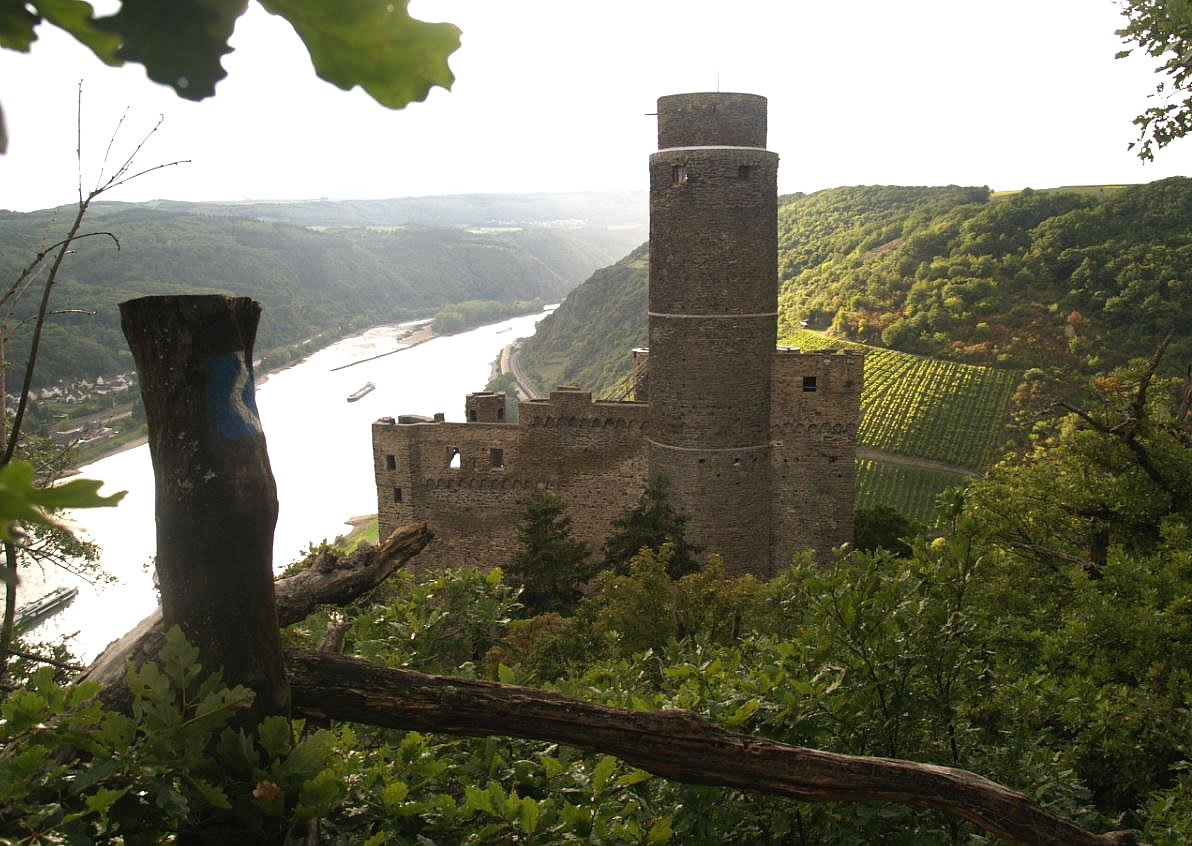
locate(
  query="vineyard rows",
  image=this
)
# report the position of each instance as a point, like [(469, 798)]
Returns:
[(928, 407), (911, 490)]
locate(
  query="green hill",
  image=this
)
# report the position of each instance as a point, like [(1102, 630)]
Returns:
[(595, 209), (316, 282), (587, 340), (1076, 279)]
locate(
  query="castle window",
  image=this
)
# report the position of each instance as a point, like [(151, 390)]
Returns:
[(743, 171), (496, 457), (391, 462), (679, 175), (500, 412), (454, 460), (472, 414), (397, 494), (808, 384)]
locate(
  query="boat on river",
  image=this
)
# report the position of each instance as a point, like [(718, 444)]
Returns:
[(364, 390), (32, 613)]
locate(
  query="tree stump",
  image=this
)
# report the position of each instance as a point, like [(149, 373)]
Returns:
[(216, 499)]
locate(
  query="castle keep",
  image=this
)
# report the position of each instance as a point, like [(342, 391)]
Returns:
[(758, 442)]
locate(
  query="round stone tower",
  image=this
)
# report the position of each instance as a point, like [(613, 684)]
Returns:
[(713, 319)]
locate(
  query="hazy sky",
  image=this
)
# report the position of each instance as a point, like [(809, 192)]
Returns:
[(553, 96)]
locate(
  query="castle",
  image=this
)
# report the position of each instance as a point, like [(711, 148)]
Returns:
[(757, 442)]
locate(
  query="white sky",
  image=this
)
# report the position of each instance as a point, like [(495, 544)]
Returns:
[(552, 95)]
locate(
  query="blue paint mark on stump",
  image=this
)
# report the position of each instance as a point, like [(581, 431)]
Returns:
[(231, 398)]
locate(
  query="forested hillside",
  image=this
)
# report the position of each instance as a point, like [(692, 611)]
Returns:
[(587, 340), (314, 282), (1064, 282), (1078, 280)]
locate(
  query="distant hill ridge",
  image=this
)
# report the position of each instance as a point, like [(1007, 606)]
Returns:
[(318, 280), (575, 209)]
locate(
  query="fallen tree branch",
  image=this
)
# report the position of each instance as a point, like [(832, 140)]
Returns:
[(674, 744), (330, 580), (335, 580)]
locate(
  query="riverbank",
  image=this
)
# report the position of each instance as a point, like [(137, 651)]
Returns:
[(416, 334)]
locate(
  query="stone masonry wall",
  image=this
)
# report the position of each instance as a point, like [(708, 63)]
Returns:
[(485, 407), (814, 433), (590, 454), (713, 118), (712, 319)]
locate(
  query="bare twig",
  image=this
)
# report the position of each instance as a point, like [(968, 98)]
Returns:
[(42, 659), (58, 251), (111, 141), (140, 173)]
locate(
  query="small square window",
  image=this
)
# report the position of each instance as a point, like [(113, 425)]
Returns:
[(391, 462), (454, 459), (472, 415), (500, 412), (744, 171), (808, 384), (679, 175), (496, 457), (397, 494)]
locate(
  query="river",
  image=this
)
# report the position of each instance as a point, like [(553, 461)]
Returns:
[(320, 449)]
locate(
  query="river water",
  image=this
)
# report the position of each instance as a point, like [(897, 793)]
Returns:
[(320, 449)]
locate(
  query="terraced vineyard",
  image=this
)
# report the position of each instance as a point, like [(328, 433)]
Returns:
[(912, 490), (935, 409), (924, 408), (927, 407)]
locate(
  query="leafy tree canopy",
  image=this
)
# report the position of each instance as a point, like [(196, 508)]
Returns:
[(1117, 473), (371, 43), (1162, 29)]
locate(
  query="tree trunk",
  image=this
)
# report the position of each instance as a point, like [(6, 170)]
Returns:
[(216, 500), (674, 744), (329, 580)]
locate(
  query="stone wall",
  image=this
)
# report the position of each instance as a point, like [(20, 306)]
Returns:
[(468, 481), (814, 431), (712, 118), (485, 407)]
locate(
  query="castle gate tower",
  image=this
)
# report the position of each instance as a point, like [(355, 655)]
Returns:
[(713, 319)]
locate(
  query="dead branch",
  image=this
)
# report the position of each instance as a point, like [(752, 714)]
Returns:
[(673, 744), (335, 580), (43, 659)]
